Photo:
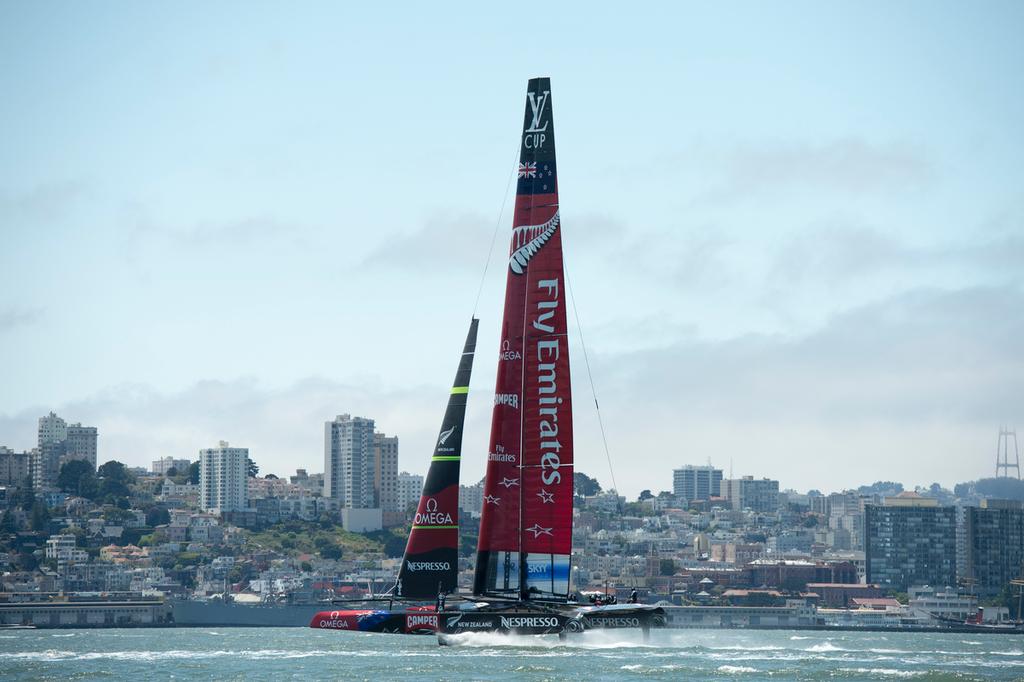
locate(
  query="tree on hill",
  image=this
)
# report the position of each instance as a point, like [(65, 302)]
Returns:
[(252, 468), (193, 473), (1001, 488), (114, 479), (157, 516), (77, 477), (25, 496), (40, 519), (584, 485), (881, 488)]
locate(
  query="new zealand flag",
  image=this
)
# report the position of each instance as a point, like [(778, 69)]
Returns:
[(536, 177)]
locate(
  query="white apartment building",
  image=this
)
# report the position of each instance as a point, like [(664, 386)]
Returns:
[(696, 482), (409, 488), (349, 461), (52, 429), (223, 471)]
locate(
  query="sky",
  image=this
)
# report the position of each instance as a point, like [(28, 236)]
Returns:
[(794, 232)]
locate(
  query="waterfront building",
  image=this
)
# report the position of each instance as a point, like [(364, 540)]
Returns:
[(795, 613), (696, 483), (795, 574), (932, 603), (755, 494), (80, 611), (223, 471), (994, 544), (839, 595), (910, 540), (164, 464)]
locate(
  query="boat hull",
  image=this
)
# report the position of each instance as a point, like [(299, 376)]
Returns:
[(622, 616), (509, 622), (375, 620)]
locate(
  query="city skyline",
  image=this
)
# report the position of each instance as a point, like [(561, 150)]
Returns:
[(785, 243)]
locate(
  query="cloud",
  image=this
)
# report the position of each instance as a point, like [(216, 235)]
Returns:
[(241, 232), (446, 242), (12, 318), (283, 427), (851, 166), (839, 250), (908, 388), (42, 204), (836, 250)]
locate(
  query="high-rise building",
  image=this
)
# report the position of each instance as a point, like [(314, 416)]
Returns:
[(755, 494), (994, 544), (15, 467), (349, 461), (910, 540), (471, 498), (696, 482), (350, 464), (51, 428), (164, 464), (410, 487), (58, 443), (45, 462), (223, 473), (385, 472), (81, 443)]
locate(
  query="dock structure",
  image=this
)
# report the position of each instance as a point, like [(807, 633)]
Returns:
[(55, 610)]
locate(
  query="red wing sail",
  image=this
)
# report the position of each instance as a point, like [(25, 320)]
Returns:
[(526, 526), (431, 560)]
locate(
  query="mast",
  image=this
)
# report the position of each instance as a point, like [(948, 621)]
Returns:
[(431, 561), (526, 523)]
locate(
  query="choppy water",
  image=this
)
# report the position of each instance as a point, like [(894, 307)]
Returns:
[(297, 653)]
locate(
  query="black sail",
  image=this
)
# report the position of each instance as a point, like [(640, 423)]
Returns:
[(431, 560)]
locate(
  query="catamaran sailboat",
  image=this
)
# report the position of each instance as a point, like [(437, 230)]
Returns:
[(522, 579), (523, 562), (430, 564)]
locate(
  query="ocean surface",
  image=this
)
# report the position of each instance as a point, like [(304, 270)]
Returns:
[(303, 654)]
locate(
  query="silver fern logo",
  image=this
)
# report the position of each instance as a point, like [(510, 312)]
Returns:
[(445, 435), (527, 240)]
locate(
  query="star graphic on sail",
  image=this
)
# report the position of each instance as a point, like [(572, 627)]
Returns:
[(538, 531), (546, 497), (509, 482), (491, 499)]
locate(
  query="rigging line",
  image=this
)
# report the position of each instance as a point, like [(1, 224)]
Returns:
[(497, 224), (590, 376)]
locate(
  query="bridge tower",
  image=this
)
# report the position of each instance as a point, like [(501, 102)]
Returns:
[(1003, 463)]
